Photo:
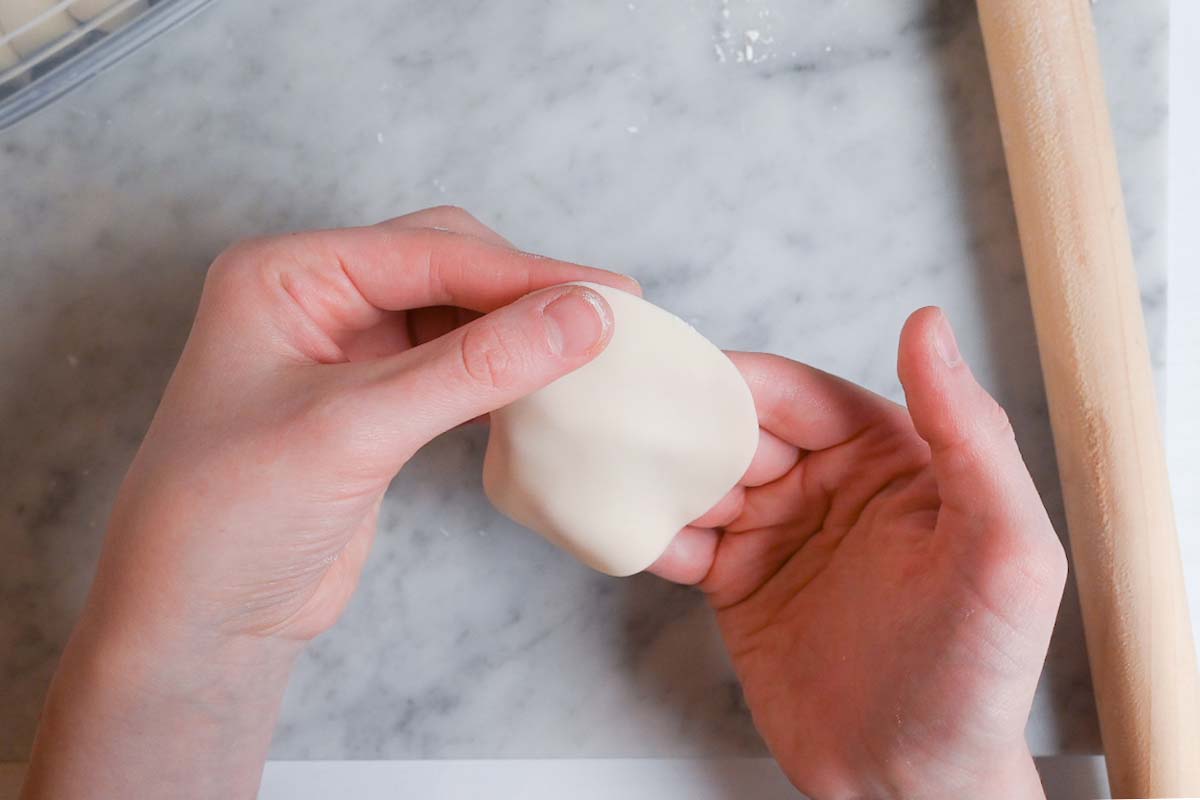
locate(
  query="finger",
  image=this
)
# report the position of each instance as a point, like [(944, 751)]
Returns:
[(725, 511), (377, 333), (486, 364), (772, 460), (980, 473), (689, 556), (396, 268), (785, 500), (449, 218), (805, 407)]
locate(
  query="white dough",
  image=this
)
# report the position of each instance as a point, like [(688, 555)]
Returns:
[(84, 10), (15, 13), (612, 460)]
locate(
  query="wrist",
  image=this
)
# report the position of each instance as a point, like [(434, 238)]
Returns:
[(194, 715), (1007, 776), (169, 662), (1011, 777), (1019, 779)]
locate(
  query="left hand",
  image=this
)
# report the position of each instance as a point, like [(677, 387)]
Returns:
[(885, 579), (318, 364)]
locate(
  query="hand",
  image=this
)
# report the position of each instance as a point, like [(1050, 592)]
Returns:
[(318, 364), (885, 580)]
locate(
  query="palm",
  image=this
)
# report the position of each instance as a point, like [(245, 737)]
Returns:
[(887, 627), (338, 499), (349, 494)]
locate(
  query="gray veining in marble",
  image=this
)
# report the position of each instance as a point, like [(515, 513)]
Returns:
[(794, 177)]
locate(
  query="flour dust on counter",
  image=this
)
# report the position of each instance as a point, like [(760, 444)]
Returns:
[(802, 200)]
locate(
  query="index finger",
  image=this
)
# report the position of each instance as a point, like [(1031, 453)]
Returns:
[(806, 407), (395, 267)]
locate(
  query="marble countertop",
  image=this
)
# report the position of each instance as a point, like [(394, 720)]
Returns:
[(794, 177)]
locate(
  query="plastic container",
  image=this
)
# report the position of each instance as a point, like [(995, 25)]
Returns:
[(64, 43)]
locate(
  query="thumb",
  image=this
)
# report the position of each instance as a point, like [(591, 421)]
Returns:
[(990, 509), (488, 363), (979, 470)]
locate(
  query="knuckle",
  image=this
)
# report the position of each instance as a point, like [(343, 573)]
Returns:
[(250, 249), (447, 216), (240, 259), (491, 356), (223, 268)]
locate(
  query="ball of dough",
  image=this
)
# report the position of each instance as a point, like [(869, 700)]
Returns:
[(610, 461)]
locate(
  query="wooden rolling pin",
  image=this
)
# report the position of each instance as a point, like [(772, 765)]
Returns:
[(1062, 165)]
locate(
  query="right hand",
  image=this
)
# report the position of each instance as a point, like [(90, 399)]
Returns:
[(885, 579)]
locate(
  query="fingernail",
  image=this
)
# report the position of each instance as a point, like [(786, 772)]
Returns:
[(945, 343), (576, 322)]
